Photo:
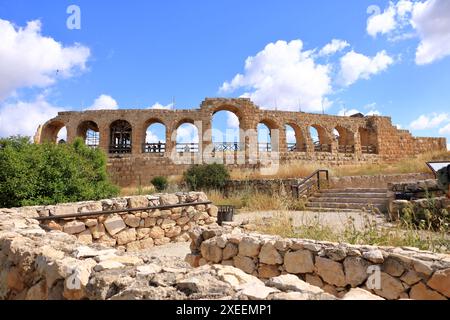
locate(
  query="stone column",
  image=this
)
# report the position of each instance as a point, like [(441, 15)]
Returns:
[(71, 132), (104, 133)]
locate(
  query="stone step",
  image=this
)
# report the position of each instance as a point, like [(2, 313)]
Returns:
[(348, 200), (335, 205), (377, 195), (355, 190), (322, 209)]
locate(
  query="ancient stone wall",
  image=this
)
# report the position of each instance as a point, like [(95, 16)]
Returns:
[(360, 140), (131, 231), (336, 268)]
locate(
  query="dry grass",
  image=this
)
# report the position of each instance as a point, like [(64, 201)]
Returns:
[(296, 170), (281, 224)]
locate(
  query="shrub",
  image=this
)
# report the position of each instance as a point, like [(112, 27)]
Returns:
[(39, 174), (160, 183), (206, 176)]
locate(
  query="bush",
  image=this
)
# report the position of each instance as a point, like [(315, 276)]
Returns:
[(160, 183), (40, 174), (206, 176)]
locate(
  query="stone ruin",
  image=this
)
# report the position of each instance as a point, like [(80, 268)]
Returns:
[(93, 258), (122, 135)]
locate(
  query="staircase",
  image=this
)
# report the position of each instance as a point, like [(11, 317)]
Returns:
[(349, 199)]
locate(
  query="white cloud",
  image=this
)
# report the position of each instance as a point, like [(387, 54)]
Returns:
[(399, 126), (282, 75), (334, 46), (428, 122), (158, 105), (104, 102), (187, 133), (150, 137), (355, 66), (24, 117), (431, 19), (383, 23), (445, 129), (232, 120), (29, 59), (350, 112), (404, 7)]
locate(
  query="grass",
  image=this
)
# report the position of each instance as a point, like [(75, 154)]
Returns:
[(399, 235), (296, 170)]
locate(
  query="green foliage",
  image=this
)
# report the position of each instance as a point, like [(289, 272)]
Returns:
[(32, 174), (426, 215), (206, 176), (160, 183)]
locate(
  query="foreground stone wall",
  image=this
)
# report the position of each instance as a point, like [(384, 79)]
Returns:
[(336, 268), (131, 231)]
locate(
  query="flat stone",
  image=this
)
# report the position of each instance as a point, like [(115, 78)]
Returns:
[(411, 277), (393, 267), (440, 281), (391, 287), (230, 251), (244, 263), (107, 265), (114, 225), (74, 227), (300, 261), (421, 292), (290, 282), (126, 236), (269, 254), (132, 221), (257, 292), (355, 270), (249, 247), (360, 294), (375, 256), (211, 252), (330, 271)]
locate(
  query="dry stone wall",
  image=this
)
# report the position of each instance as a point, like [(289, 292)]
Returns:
[(135, 230), (404, 273)]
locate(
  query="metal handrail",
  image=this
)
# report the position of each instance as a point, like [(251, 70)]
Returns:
[(307, 183), (109, 212)]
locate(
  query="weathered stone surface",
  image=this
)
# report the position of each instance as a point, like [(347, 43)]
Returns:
[(314, 280), (290, 282), (257, 292), (132, 221), (393, 267), (360, 294), (249, 247), (149, 222), (211, 252), (268, 271), (355, 270), (330, 271), (157, 233), (440, 281), (91, 223), (173, 232), (421, 292), (74, 227), (107, 265), (230, 251), (391, 287), (114, 225), (375, 256), (98, 231), (138, 202), (300, 261), (411, 277), (168, 223), (168, 199), (244, 263), (269, 254), (126, 236)]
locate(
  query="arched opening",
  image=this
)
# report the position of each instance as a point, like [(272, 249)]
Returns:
[(54, 132), (89, 132), (187, 138), (225, 131), (264, 138), (294, 138), (368, 141), (320, 139), (155, 137), (345, 139), (120, 137)]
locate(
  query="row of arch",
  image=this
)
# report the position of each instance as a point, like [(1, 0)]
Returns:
[(296, 138)]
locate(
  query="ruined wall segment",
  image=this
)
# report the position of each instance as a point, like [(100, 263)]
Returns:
[(361, 139)]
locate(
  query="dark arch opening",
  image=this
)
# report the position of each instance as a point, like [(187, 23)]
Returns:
[(120, 137)]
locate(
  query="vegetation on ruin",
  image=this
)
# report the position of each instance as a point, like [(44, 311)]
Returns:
[(39, 174), (206, 177), (160, 183), (295, 170), (426, 215), (397, 235)]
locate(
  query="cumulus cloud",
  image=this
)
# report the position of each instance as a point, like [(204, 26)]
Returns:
[(158, 105), (429, 121), (29, 59), (383, 22), (187, 133), (23, 118), (334, 46), (232, 120), (283, 76), (104, 102), (350, 112), (431, 19), (355, 66), (445, 130)]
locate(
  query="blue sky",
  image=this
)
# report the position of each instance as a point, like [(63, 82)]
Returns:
[(394, 60)]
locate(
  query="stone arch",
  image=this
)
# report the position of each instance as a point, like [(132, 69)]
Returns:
[(368, 140), (89, 131), (154, 141), (50, 131), (272, 131), (120, 137), (192, 142), (345, 139), (299, 136), (323, 141), (230, 139)]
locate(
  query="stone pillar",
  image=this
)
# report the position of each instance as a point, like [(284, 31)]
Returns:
[(357, 143), (169, 143), (71, 132), (104, 133), (137, 137)]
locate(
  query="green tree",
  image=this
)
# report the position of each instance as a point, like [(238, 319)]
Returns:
[(160, 183), (36, 174)]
